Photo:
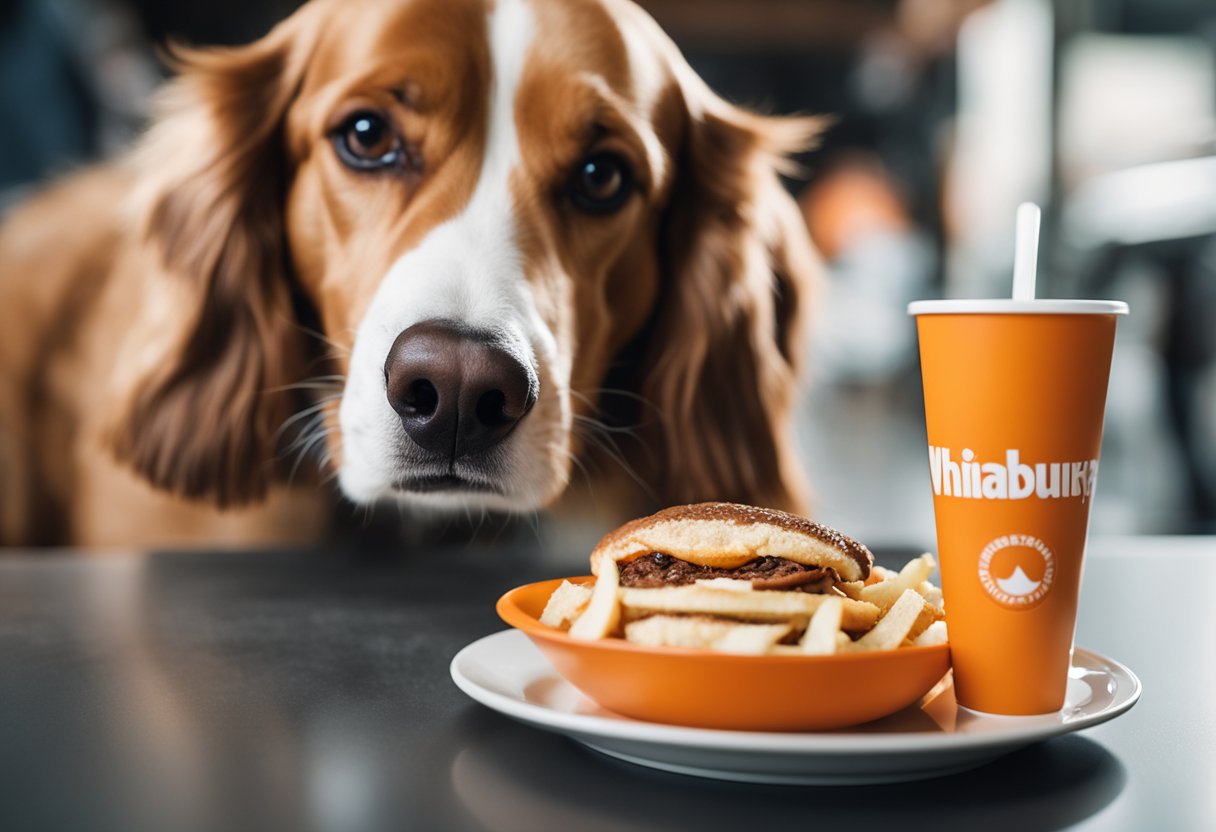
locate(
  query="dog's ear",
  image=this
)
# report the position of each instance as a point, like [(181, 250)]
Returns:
[(726, 344), (204, 373)]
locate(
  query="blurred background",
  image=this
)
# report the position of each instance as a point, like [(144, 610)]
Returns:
[(949, 113)]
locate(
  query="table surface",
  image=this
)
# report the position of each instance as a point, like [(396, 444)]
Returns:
[(310, 691)]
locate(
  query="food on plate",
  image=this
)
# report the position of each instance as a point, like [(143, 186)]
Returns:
[(771, 549), (565, 604), (741, 579)]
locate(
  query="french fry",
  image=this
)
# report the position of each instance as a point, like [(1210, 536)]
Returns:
[(886, 592), (879, 573), (842, 645), (820, 635), (932, 594), (929, 614), (754, 639), (933, 635), (603, 611), (851, 589), (703, 632), (893, 628), (731, 584), (759, 605), (565, 604), (888, 610)]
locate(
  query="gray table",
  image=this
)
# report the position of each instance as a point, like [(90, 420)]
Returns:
[(309, 691)]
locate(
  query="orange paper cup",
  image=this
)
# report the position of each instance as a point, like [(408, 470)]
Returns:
[(1014, 398)]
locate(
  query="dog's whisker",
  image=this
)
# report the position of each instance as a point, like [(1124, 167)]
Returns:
[(590, 403), (308, 439), (481, 520), (582, 468), (331, 447), (592, 430), (323, 338), (306, 434), (606, 444), (339, 377), (299, 440), (299, 460), (324, 386), (622, 430), (584, 426), (617, 392), (319, 433), (320, 404), (582, 423), (325, 462), (303, 414), (534, 522), (333, 384)]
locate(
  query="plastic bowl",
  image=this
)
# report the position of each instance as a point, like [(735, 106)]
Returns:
[(709, 689)]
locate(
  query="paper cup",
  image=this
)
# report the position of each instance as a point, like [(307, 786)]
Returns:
[(1014, 399)]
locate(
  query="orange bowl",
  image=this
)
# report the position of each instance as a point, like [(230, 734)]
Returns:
[(708, 689)]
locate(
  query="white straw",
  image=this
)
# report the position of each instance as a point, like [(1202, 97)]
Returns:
[(1026, 251)]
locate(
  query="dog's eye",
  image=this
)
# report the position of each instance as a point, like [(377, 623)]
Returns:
[(601, 184), (367, 141)]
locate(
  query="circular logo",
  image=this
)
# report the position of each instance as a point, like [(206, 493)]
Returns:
[(1016, 570)]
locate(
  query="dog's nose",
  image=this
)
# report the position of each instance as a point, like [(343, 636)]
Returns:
[(456, 392)]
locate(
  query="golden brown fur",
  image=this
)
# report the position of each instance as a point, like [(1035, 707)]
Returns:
[(156, 315)]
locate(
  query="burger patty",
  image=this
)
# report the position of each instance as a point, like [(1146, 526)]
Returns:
[(658, 570)]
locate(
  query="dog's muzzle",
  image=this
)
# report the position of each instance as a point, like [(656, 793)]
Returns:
[(459, 392)]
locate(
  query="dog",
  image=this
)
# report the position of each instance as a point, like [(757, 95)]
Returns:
[(457, 251)]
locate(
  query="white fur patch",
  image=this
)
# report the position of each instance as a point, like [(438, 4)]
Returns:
[(469, 270)]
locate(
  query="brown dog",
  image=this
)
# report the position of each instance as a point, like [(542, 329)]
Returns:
[(451, 246)]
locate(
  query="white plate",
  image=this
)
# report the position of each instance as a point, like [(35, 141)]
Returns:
[(504, 671)]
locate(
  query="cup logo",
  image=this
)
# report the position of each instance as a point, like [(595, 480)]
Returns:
[(1017, 570), (1009, 478)]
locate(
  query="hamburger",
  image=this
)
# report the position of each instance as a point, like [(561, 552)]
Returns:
[(740, 578), (770, 549)]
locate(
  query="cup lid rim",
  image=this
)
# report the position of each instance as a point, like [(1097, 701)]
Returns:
[(1008, 306)]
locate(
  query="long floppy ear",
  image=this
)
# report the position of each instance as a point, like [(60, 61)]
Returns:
[(727, 343), (206, 366)]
